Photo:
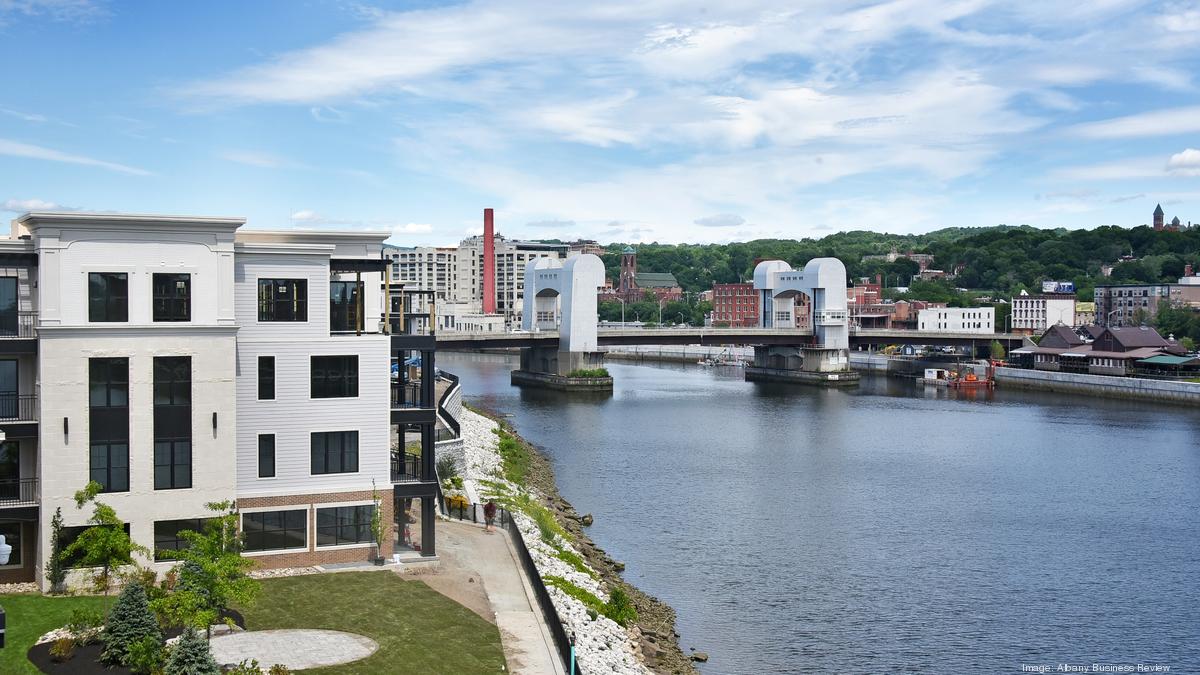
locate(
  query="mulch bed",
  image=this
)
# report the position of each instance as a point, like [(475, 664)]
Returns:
[(86, 658)]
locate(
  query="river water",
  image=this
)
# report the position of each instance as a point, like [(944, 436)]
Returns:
[(889, 528)]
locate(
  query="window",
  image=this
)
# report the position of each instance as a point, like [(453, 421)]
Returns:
[(334, 452), (12, 536), (266, 378), (345, 302), (108, 423), (334, 376), (344, 525), (172, 297), (166, 535), (266, 455), (70, 534), (275, 530), (108, 296), (172, 422), (283, 300)]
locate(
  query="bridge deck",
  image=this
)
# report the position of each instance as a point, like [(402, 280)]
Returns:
[(719, 336)]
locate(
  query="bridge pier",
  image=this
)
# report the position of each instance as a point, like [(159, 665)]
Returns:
[(550, 368), (805, 365)]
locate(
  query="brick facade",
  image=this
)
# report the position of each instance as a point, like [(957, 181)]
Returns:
[(315, 555)]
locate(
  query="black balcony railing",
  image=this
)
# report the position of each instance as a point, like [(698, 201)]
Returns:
[(407, 395), (18, 408), (18, 491), (17, 325), (405, 467)]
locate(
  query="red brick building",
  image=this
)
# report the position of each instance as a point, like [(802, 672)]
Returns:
[(735, 305)]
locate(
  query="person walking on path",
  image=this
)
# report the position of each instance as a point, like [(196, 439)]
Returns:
[(489, 515)]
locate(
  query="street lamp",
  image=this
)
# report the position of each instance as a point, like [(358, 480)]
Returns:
[(660, 306), (1108, 317), (680, 318), (622, 301)]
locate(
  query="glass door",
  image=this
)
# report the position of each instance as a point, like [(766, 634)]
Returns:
[(10, 471), (9, 400), (8, 306)]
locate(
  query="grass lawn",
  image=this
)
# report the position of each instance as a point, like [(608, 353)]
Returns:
[(31, 616), (418, 629)]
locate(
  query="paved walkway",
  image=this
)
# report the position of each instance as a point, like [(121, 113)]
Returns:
[(298, 649), (467, 552)]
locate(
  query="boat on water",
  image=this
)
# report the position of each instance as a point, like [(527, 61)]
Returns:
[(963, 378), (725, 358)]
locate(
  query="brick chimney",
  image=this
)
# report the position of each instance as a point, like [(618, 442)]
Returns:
[(1187, 270), (489, 263)]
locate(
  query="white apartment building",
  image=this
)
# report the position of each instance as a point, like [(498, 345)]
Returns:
[(179, 361), (980, 320), (1036, 313)]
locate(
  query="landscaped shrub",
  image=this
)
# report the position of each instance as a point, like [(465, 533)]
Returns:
[(85, 624), (279, 669), (191, 656), (62, 649), (56, 572), (246, 667), (619, 608), (146, 656), (447, 468), (129, 621)]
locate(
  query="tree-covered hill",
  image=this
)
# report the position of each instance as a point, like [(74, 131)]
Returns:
[(1002, 259)]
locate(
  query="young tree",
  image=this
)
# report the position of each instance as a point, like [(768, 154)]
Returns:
[(105, 545), (997, 350), (129, 622), (213, 573), (56, 573), (191, 656)]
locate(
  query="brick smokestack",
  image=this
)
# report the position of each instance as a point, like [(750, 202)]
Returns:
[(489, 263)]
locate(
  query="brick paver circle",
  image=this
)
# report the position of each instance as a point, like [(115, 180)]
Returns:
[(298, 649)]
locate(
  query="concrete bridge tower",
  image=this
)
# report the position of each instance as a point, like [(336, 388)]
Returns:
[(827, 359), (561, 295)]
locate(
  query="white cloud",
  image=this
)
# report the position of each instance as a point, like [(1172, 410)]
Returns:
[(1166, 122), (1133, 167), (28, 117), (720, 220), (263, 160), (26, 150), (23, 205), (1186, 163), (412, 228), (58, 10), (305, 216)]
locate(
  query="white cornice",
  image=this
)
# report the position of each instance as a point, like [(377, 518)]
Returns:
[(39, 219)]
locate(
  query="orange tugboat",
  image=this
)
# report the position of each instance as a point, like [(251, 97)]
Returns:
[(967, 379)]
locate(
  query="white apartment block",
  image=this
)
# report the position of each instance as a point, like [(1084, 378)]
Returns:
[(980, 320), (179, 361), (1036, 313)]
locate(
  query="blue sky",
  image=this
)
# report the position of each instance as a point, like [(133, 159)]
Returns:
[(652, 120)]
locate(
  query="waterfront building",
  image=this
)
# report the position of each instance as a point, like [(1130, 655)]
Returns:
[(980, 320), (734, 305), (904, 313), (1033, 314), (178, 361), (580, 246), (1114, 350), (1134, 304)]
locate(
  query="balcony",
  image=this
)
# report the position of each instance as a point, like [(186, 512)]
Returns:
[(408, 395), (18, 325), (406, 468), (18, 492), (18, 408)]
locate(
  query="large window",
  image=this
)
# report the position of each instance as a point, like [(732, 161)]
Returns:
[(275, 530), (172, 422), (172, 297), (70, 534), (334, 376), (266, 378), (108, 423), (108, 296), (167, 539), (12, 537), (283, 300), (345, 310), (334, 452), (344, 525), (266, 455)]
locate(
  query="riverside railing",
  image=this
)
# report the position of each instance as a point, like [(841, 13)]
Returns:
[(563, 640)]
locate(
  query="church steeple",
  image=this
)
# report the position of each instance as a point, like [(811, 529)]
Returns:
[(1158, 217)]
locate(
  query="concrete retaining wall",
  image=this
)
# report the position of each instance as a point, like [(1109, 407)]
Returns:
[(873, 363), (1100, 385), (686, 354), (452, 448)]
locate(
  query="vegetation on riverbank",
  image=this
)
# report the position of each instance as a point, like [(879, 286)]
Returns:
[(589, 372), (654, 619)]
